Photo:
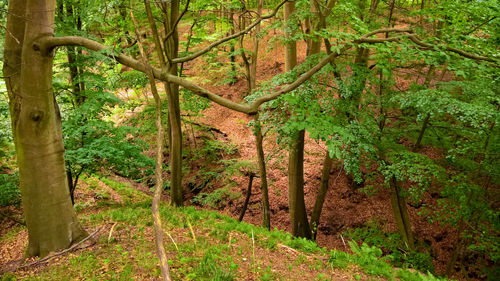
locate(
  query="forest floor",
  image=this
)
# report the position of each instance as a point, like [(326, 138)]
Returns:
[(201, 245)]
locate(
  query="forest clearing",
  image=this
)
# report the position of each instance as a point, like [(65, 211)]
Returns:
[(249, 140)]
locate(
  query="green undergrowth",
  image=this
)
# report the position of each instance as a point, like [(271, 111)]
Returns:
[(393, 247), (202, 245)]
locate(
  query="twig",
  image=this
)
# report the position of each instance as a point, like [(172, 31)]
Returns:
[(61, 252), (171, 238), (111, 231), (343, 241), (192, 231), (230, 238), (290, 249)]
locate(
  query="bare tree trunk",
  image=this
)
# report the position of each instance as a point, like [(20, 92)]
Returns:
[(155, 208), (298, 216), (400, 211), (170, 50), (247, 198), (174, 110), (321, 196), (255, 52), (50, 217), (266, 217)]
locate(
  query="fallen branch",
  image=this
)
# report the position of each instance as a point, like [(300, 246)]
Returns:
[(74, 246)]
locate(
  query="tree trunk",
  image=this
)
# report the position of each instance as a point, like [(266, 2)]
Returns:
[(266, 217), (298, 216), (320, 198), (170, 50), (255, 53), (174, 111), (300, 224), (400, 211), (50, 217), (155, 206), (247, 198)]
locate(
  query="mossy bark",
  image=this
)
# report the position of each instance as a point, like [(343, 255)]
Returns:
[(50, 217)]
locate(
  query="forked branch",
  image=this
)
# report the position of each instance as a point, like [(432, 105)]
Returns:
[(46, 44)]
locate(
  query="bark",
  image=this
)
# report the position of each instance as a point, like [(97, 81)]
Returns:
[(73, 68), (50, 217), (400, 212), (255, 52), (422, 131), (266, 213), (155, 207), (314, 44), (174, 111), (321, 196), (247, 198), (170, 51), (298, 216)]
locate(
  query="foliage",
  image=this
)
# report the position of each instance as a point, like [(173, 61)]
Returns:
[(9, 190), (391, 244), (215, 198)]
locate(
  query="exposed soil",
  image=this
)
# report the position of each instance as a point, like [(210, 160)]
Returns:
[(344, 207)]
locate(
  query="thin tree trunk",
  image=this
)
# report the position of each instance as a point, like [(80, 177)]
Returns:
[(266, 214), (247, 199), (174, 111), (255, 53), (400, 212), (320, 197), (170, 49), (155, 208), (50, 218)]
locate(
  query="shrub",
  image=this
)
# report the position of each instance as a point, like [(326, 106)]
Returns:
[(9, 190)]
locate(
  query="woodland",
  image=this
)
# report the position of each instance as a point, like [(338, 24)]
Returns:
[(249, 140)]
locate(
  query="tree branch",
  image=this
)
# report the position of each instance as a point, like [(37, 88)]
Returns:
[(416, 40), (225, 39), (178, 20), (47, 43)]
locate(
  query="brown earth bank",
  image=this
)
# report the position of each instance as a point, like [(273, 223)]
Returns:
[(344, 207)]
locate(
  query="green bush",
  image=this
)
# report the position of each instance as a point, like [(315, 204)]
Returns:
[(215, 198), (391, 245), (9, 190)]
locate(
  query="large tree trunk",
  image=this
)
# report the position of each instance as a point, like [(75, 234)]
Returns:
[(50, 217)]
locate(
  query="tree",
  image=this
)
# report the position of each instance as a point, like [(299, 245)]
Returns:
[(36, 126)]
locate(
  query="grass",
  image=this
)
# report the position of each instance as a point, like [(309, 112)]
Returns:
[(221, 249)]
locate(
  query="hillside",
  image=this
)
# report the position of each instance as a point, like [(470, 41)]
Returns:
[(201, 245)]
